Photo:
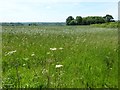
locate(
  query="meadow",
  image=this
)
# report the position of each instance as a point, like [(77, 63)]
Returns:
[(107, 25), (59, 57)]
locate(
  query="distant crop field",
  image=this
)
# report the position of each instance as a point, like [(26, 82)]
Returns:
[(59, 57)]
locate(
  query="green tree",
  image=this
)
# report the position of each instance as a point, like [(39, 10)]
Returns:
[(69, 19), (78, 20), (99, 20), (84, 21), (93, 20), (108, 18), (73, 22)]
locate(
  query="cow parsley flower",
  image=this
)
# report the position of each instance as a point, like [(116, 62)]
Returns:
[(53, 49), (58, 66), (11, 52)]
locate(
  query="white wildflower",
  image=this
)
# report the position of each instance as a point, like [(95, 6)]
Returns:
[(53, 49), (11, 52), (58, 66), (61, 48)]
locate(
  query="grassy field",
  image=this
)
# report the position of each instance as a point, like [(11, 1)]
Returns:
[(107, 25), (59, 57)]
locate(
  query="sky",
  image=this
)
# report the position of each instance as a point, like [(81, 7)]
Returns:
[(54, 10)]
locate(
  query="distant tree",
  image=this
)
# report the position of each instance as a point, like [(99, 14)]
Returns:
[(69, 19), (99, 20), (33, 24), (78, 20), (84, 21), (73, 22), (93, 20), (108, 18), (89, 20)]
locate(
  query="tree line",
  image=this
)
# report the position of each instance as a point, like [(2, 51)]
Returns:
[(89, 20)]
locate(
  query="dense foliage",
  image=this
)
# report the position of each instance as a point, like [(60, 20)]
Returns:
[(89, 20)]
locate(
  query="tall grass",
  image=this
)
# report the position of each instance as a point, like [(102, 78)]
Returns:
[(88, 57), (107, 25)]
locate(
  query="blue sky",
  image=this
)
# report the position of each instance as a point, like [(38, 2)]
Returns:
[(54, 10)]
